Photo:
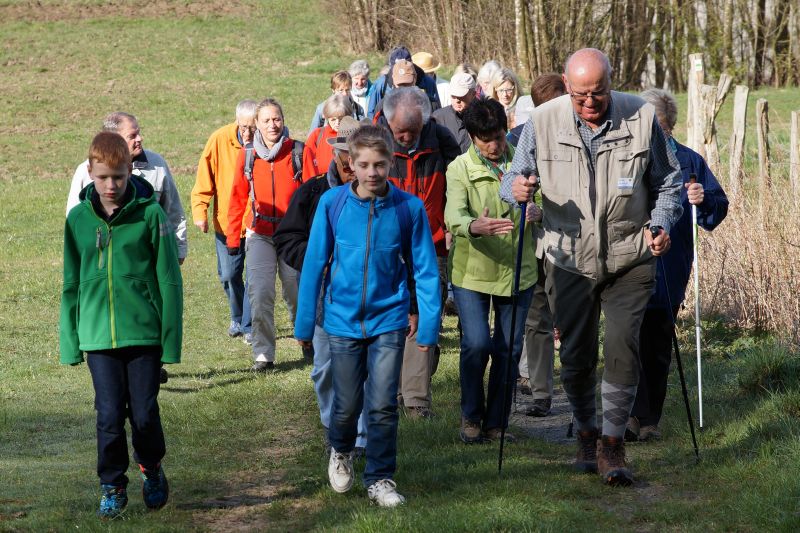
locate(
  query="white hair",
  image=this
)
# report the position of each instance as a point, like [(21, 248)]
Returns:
[(407, 99), (246, 109), (359, 67), (487, 71), (337, 105), (114, 120)]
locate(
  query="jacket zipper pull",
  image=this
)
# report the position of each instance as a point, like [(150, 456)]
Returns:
[(99, 244)]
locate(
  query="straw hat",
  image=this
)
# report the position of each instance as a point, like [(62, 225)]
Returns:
[(426, 62)]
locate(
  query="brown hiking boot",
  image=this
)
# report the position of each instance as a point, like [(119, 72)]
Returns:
[(611, 462), (470, 431), (586, 458)]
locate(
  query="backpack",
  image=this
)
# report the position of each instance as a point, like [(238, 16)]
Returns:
[(249, 161), (403, 218)]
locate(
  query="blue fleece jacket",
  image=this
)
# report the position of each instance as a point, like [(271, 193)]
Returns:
[(677, 262), (366, 286)]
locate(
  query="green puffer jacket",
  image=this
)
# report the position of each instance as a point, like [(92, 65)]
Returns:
[(485, 263), (122, 281)]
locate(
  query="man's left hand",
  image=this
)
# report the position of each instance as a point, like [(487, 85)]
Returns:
[(660, 245), (413, 322), (695, 193)]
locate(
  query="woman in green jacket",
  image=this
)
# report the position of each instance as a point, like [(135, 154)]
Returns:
[(122, 304), (481, 267)]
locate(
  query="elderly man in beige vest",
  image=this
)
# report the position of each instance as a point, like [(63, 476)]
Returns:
[(607, 176)]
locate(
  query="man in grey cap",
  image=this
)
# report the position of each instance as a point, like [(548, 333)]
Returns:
[(462, 93)]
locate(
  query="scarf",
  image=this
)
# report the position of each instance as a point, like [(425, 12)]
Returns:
[(359, 92), (269, 154), (496, 168)]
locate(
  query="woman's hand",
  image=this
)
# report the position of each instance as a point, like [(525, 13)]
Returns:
[(484, 225)]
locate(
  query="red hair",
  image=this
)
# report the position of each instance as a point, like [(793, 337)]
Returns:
[(110, 149)]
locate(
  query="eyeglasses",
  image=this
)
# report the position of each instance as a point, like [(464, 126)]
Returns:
[(506, 91), (245, 129), (580, 99)]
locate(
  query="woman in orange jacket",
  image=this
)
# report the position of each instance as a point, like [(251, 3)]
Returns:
[(318, 154), (266, 182)]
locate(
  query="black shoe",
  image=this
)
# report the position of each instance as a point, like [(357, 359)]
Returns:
[(359, 452), (262, 366), (163, 377), (540, 407), (524, 386)]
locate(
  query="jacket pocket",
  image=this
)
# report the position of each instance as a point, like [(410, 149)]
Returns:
[(560, 176), (563, 244), (630, 167)]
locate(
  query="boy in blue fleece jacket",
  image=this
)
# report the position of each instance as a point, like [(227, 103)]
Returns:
[(356, 246)]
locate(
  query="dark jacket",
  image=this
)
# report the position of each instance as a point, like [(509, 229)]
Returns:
[(451, 120), (422, 173), (384, 84), (291, 237), (678, 261)]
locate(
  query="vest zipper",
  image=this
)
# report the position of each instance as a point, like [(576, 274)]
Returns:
[(111, 293), (274, 213), (366, 267)]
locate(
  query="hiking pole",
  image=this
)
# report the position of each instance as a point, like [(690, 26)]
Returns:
[(514, 293), (693, 179), (654, 233)]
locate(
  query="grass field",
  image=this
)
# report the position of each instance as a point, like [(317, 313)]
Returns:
[(245, 451)]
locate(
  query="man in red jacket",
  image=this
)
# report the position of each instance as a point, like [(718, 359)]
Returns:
[(422, 151)]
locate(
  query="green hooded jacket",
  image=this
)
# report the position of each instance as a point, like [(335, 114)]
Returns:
[(122, 280), (483, 263)]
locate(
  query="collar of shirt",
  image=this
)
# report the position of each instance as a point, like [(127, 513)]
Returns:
[(140, 161), (599, 132)]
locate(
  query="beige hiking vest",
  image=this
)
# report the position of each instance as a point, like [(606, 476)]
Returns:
[(613, 239)]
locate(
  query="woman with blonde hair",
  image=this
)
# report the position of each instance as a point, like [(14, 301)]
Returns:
[(505, 88)]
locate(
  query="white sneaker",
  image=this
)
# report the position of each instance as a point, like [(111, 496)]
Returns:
[(384, 493), (340, 471)]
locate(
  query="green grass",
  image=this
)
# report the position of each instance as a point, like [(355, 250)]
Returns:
[(244, 452)]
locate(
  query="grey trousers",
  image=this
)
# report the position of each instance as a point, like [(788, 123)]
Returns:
[(419, 367), (263, 266), (538, 345), (577, 301)]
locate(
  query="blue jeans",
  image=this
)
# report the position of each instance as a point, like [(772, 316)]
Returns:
[(323, 384), (365, 376), (478, 345), (126, 385), (230, 269)]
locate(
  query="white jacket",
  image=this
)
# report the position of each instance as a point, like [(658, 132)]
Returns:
[(155, 170)]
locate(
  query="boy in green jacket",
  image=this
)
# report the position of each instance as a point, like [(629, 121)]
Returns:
[(122, 304)]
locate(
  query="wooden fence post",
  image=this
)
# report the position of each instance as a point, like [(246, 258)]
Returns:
[(693, 122), (737, 140), (794, 156), (713, 98), (762, 135)]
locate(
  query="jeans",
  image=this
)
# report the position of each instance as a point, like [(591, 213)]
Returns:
[(538, 347), (365, 376), (478, 345), (126, 384), (230, 269), (263, 265), (323, 384)]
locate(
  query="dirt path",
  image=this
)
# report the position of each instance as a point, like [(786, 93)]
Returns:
[(552, 428)]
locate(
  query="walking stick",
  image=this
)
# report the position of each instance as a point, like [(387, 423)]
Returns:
[(514, 294), (693, 179), (654, 233)]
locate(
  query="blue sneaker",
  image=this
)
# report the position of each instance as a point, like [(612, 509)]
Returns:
[(113, 501), (155, 489), (235, 329)]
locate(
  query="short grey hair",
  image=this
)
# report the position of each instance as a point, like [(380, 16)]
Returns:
[(114, 120), (666, 107), (337, 105), (487, 71), (246, 109), (406, 99), (359, 67)]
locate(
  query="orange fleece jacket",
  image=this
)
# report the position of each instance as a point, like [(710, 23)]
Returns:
[(215, 173)]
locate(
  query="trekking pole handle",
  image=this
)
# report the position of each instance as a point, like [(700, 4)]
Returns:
[(692, 178)]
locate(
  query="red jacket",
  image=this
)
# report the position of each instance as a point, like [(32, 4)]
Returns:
[(318, 154), (274, 185), (423, 175)]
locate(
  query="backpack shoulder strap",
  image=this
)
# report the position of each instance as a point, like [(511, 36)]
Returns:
[(404, 219), (297, 160), (249, 161), (336, 207)]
